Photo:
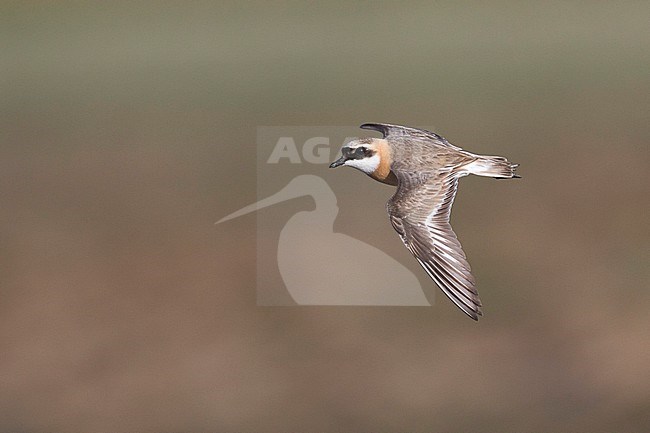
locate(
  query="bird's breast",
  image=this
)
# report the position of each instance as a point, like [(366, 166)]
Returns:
[(383, 172)]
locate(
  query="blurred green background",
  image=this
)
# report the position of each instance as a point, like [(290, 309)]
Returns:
[(128, 128)]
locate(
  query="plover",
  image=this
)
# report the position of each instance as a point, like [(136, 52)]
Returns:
[(425, 167)]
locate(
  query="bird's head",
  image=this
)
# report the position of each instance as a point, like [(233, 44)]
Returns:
[(370, 155), (363, 154)]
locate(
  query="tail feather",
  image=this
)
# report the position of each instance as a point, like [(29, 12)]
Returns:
[(493, 166)]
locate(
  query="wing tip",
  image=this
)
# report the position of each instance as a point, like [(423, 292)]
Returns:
[(474, 311), (379, 127), (474, 315), (470, 305)]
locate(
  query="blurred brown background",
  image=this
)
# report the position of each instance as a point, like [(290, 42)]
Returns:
[(128, 128)]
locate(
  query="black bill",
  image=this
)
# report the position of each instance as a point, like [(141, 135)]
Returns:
[(338, 162)]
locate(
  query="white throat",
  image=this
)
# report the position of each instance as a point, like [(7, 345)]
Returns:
[(367, 165)]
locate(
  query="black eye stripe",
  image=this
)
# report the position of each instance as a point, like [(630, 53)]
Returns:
[(357, 152)]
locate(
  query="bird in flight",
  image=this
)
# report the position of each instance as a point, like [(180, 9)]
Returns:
[(425, 167)]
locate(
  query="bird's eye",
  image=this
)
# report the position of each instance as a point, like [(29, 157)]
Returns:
[(362, 149)]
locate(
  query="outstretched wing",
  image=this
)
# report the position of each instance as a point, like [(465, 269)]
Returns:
[(392, 131), (419, 212)]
